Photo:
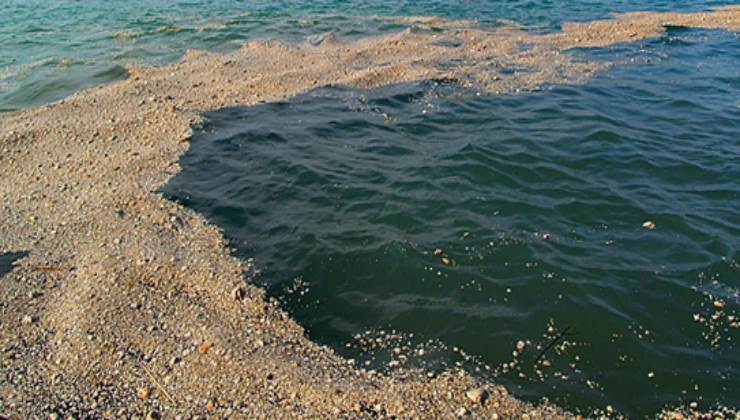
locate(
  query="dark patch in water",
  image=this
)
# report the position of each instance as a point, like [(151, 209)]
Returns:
[(8, 259), (537, 203)]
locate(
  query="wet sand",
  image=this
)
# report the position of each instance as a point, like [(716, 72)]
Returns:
[(129, 304)]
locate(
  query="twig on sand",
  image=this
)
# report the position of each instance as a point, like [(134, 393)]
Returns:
[(157, 384)]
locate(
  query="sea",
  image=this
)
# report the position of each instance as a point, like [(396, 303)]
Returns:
[(578, 243)]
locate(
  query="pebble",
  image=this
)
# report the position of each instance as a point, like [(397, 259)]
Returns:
[(144, 393), (203, 348), (462, 412), (238, 293), (520, 345), (477, 395), (173, 361), (648, 225)]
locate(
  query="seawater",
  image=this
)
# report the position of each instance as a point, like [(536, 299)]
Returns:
[(464, 224), (52, 48)]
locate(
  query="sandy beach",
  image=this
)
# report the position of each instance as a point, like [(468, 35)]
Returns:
[(128, 304)]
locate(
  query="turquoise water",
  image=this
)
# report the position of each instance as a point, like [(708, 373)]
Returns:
[(538, 203), (51, 48)]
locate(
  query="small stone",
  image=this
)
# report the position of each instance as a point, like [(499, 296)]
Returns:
[(210, 405), (203, 348), (651, 375), (446, 261), (144, 393), (648, 225), (477, 395), (609, 409), (520, 345), (28, 319), (437, 252), (462, 412), (719, 304), (238, 293), (152, 415), (694, 405)]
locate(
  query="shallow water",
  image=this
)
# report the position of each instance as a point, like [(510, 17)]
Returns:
[(536, 203), (6, 261), (50, 49)]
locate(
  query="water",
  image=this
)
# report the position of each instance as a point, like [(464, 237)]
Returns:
[(538, 203), (50, 49), (7, 260)]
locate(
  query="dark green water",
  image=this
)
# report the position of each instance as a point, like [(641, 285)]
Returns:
[(7, 259), (538, 202)]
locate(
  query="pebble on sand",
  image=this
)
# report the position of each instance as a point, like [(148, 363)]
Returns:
[(648, 225), (144, 393), (477, 395), (238, 293), (203, 348)]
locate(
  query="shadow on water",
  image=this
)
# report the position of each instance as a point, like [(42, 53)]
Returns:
[(8, 259), (481, 221)]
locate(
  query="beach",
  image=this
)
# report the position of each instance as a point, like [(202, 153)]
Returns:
[(128, 304)]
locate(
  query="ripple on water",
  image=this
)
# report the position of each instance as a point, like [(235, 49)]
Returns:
[(536, 203)]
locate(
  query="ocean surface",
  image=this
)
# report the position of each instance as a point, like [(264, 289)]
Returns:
[(598, 224), (52, 48)]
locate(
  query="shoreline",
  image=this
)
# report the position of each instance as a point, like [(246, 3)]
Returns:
[(129, 304)]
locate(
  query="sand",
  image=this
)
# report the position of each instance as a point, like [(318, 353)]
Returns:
[(130, 305)]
